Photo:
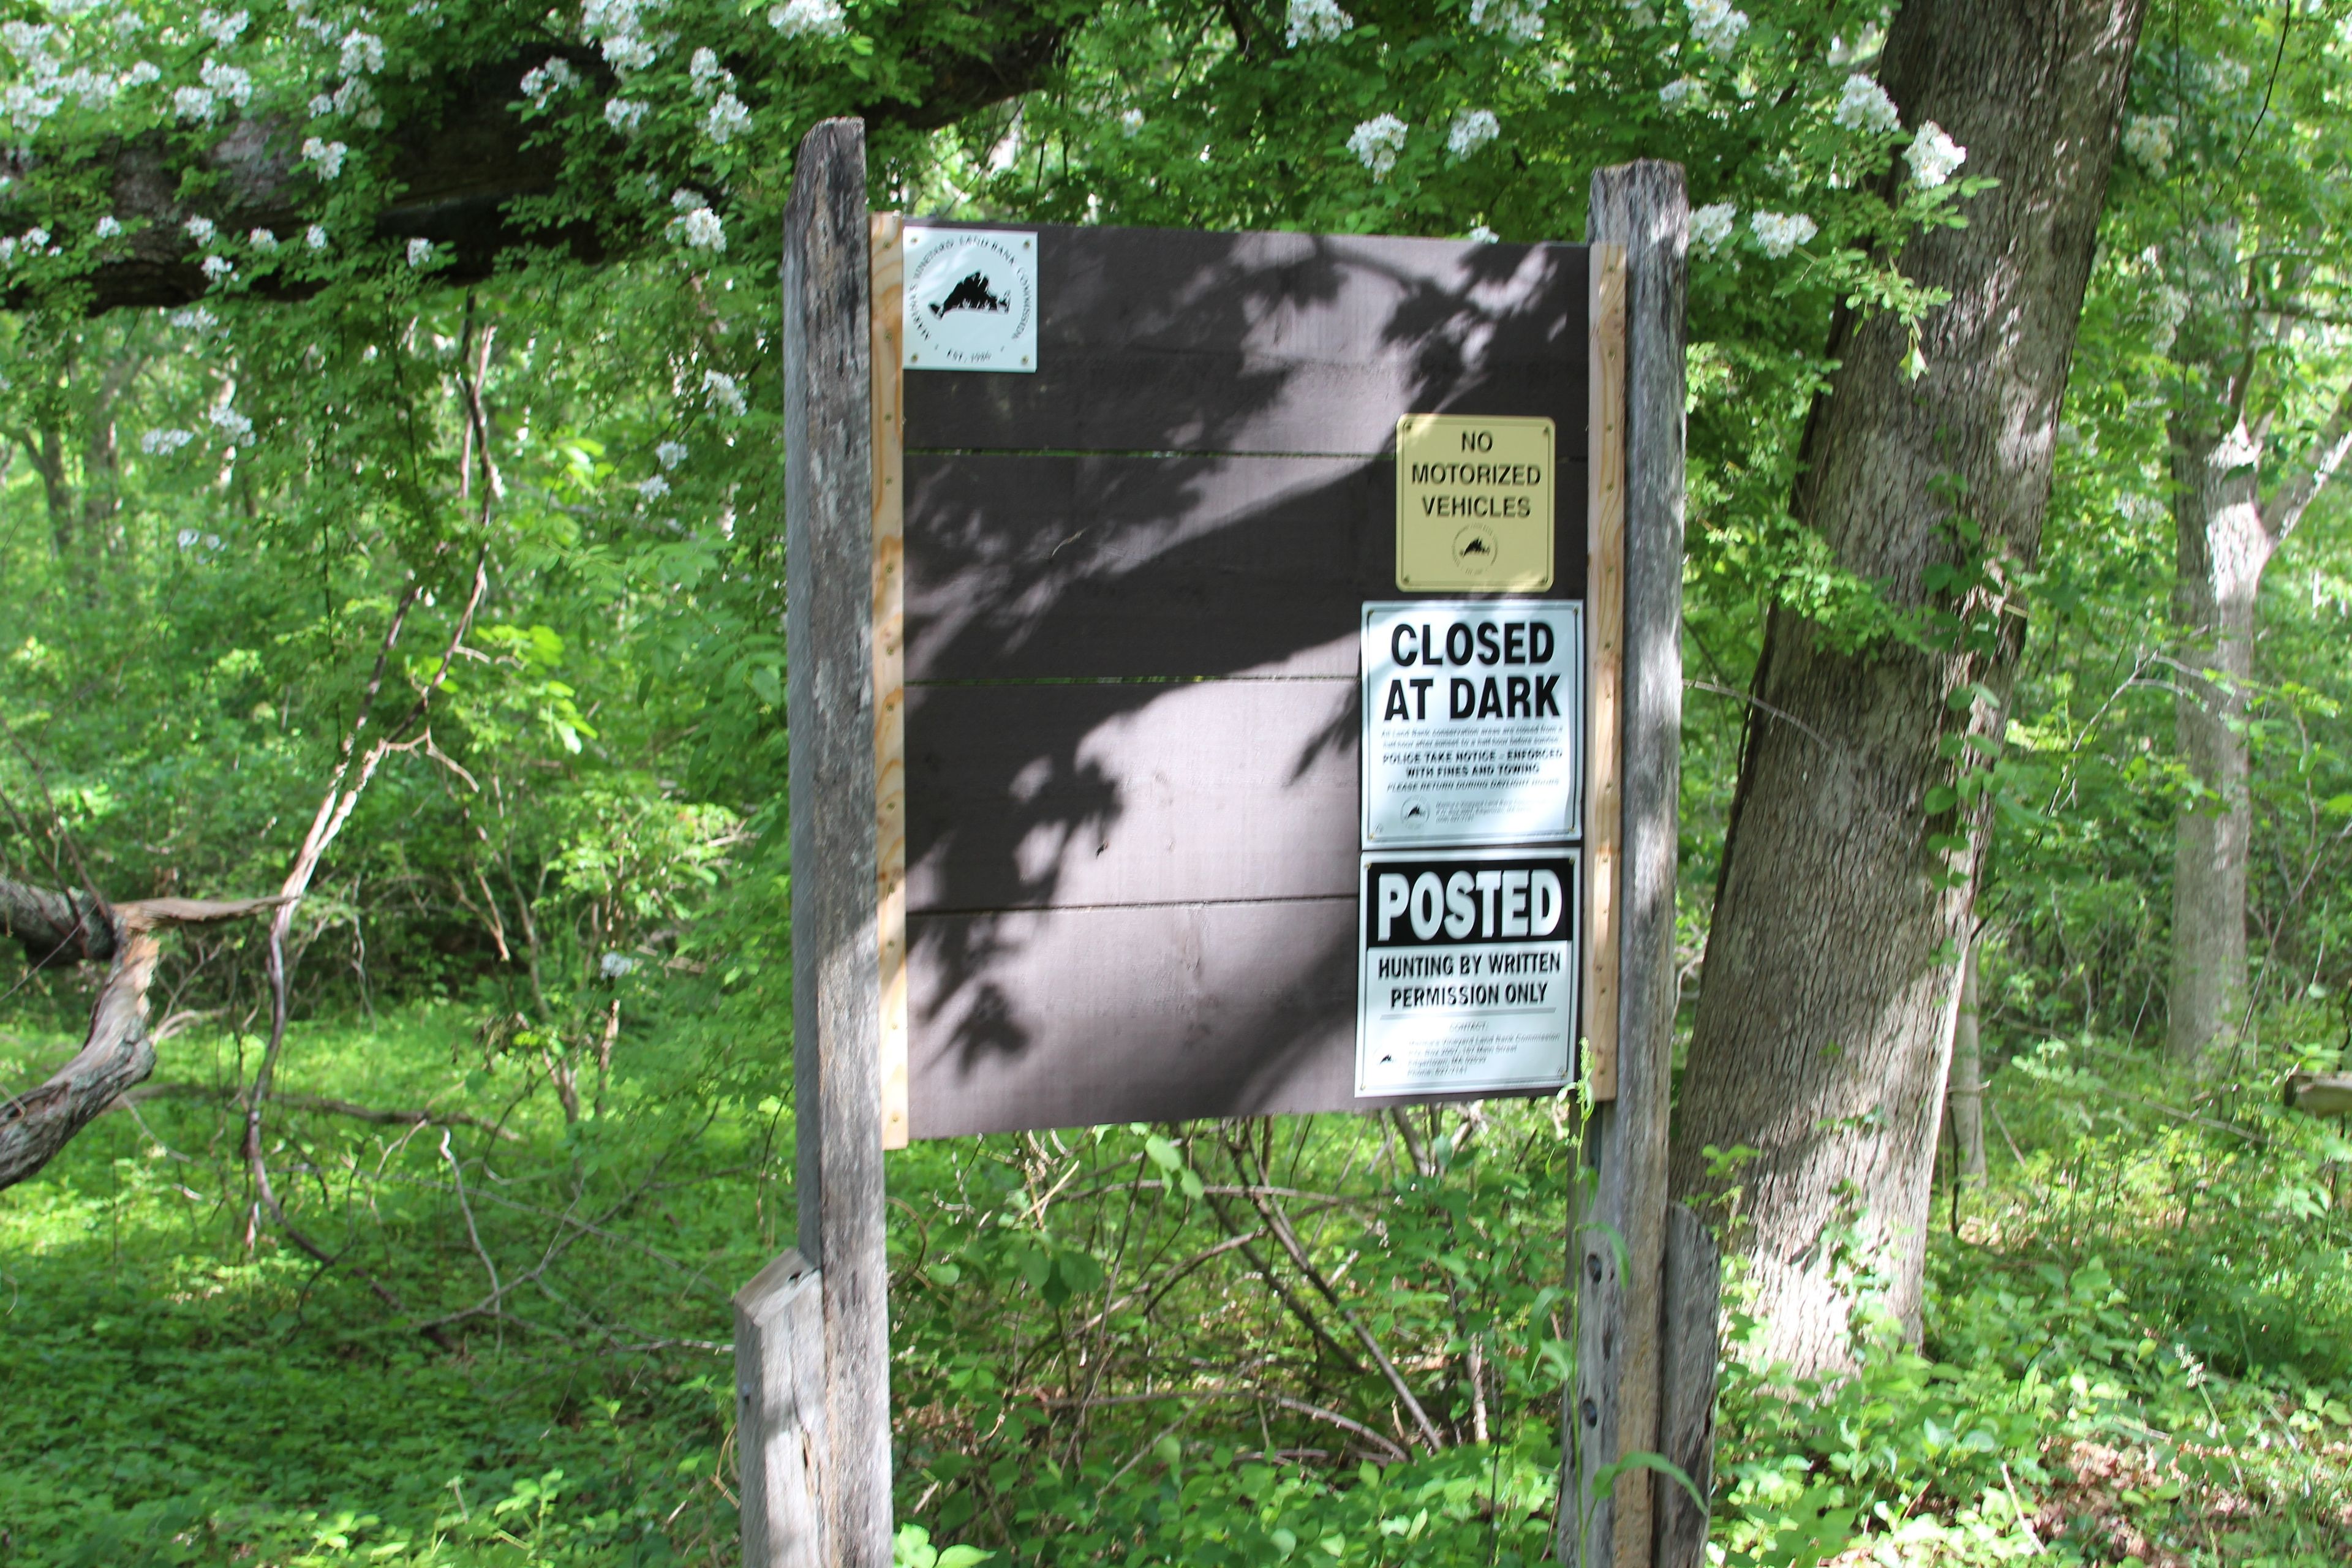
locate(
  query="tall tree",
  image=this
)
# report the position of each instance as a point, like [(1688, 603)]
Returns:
[(2226, 533), (1832, 971), (2228, 216)]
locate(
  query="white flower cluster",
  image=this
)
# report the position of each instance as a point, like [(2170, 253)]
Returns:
[(708, 75), (216, 267), (670, 453), (719, 391), (1376, 144), (624, 114), (1472, 128), (1481, 234), (108, 227), (2147, 140), (200, 229), (1715, 25), (1711, 225), (221, 30), (1315, 22), (2223, 75), (728, 119), (1863, 105), (621, 28), (33, 242), (1780, 233), (1681, 90), (195, 103), (45, 85), (161, 443), (544, 82), (358, 56), (420, 251), (231, 82), (695, 224), (1934, 156), (1522, 21), (1130, 121), (326, 157), (194, 320), (315, 237), (629, 52), (807, 18), (231, 424), (652, 488), (262, 239)]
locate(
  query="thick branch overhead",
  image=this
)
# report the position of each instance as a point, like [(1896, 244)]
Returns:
[(460, 160)]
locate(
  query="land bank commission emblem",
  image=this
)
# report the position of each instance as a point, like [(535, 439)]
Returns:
[(970, 300)]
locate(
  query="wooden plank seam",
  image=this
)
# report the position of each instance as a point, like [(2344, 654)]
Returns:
[(890, 665)]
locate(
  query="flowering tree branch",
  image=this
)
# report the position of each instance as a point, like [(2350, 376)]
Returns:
[(457, 165)]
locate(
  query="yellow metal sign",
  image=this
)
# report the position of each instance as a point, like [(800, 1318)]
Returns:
[(1474, 504)]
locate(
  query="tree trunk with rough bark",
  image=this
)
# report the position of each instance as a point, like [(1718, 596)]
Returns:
[(1831, 976)]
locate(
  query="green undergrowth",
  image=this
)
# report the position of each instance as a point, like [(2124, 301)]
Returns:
[(2137, 1348), (2136, 1336)]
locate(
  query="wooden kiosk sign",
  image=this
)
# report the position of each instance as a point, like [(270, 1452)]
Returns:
[(1230, 675)]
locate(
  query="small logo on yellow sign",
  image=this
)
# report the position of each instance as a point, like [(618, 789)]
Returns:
[(1474, 504)]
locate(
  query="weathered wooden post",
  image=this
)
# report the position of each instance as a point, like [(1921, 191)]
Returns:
[(1645, 1274), (813, 1344)]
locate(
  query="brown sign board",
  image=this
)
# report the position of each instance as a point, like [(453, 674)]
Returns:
[(1117, 676), (1075, 803)]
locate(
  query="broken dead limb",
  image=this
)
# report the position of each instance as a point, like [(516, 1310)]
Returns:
[(2318, 1094), (118, 1050)]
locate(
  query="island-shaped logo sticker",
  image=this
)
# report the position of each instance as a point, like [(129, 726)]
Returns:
[(970, 300)]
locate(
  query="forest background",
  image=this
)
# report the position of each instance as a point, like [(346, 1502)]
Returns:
[(483, 406)]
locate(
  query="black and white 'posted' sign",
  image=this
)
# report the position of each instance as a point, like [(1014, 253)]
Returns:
[(1473, 719), (1467, 964)]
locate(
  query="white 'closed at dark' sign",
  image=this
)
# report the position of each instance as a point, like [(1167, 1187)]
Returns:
[(1473, 712)]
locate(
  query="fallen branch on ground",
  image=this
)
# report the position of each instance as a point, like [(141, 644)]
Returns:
[(424, 1116)]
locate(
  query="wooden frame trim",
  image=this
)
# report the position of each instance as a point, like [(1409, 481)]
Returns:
[(890, 665), (1604, 621)]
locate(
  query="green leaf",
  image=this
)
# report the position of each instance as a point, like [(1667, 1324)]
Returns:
[(1643, 1459)]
